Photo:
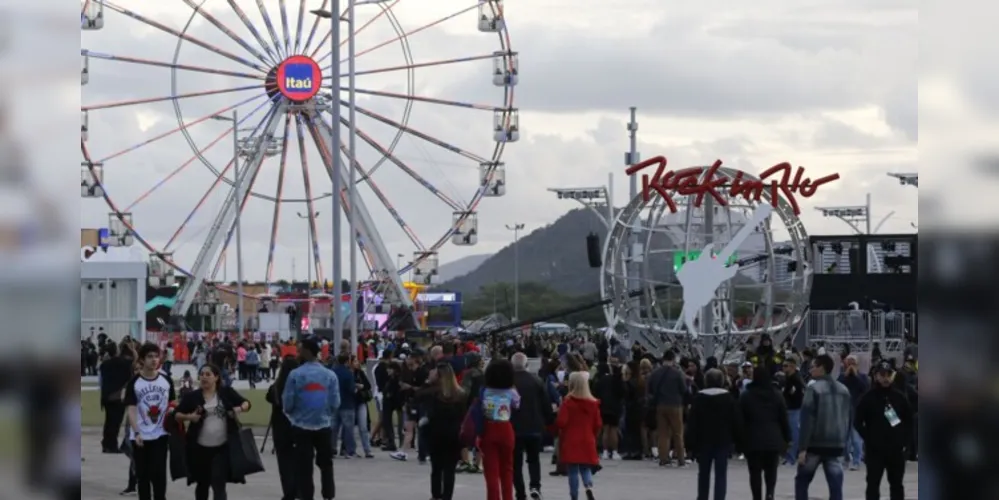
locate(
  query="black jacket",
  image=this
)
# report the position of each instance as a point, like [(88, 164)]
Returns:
[(873, 426), (535, 410), (794, 391), (444, 427), (714, 421), (381, 375), (666, 387), (229, 399), (610, 392), (115, 374), (280, 425), (764, 416)]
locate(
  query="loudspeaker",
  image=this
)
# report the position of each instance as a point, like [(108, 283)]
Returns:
[(593, 250)]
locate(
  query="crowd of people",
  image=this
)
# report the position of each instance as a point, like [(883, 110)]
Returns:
[(592, 400)]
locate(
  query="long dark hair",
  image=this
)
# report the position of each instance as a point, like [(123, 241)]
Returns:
[(212, 367), (288, 364)]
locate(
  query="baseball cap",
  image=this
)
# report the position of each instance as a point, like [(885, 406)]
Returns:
[(310, 344), (747, 364), (884, 367)]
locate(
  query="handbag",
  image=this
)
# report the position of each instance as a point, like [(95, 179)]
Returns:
[(469, 426), (244, 458)]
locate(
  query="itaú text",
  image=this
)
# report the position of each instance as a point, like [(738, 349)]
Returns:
[(700, 181)]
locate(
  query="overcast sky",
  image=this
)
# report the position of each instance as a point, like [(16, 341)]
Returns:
[(829, 85)]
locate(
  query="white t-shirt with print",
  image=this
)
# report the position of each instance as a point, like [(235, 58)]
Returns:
[(151, 398)]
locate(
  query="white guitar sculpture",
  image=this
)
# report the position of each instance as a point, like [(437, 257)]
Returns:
[(701, 277)]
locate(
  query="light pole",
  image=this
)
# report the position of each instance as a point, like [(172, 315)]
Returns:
[(308, 254), (516, 228), (239, 210), (334, 16)]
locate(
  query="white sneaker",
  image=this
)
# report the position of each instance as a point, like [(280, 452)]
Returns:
[(535, 495), (655, 452), (399, 455), (606, 455), (615, 456)]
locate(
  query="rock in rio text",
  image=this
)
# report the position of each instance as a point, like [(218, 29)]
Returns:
[(700, 181)]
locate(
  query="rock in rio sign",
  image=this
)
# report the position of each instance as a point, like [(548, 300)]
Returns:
[(701, 181)]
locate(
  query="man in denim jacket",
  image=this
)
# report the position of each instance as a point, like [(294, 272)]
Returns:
[(825, 424), (311, 397)]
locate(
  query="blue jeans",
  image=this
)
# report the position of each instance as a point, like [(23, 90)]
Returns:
[(362, 427), (831, 466), (576, 472), (794, 421), (854, 448), (343, 422), (718, 458)]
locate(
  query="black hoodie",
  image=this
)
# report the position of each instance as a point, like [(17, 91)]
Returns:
[(714, 421), (873, 425), (765, 415)]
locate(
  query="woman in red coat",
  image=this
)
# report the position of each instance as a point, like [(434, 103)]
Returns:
[(578, 423)]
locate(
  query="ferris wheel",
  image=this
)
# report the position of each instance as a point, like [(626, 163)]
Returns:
[(649, 244), (265, 68)]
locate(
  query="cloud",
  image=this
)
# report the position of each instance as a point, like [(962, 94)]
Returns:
[(749, 89)]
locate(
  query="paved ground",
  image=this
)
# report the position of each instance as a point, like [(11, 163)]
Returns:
[(358, 479)]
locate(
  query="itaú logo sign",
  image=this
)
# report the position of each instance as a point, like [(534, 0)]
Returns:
[(299, 78)]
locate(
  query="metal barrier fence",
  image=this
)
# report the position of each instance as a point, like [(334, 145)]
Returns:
[(860, 328)]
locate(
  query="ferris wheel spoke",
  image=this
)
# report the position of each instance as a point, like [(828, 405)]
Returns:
[(312, 32), (277, 205), (324, 149), (303, 158), (421, 65), (201, 202), (184, 67), (179, 128), (369, 22), (431, 100), (232, 229), (298, 28), (183, 36), (366, 177), (169, 98), (400, 37), (284, 26), (402, 166), (228, 32), (416, 133), (272, 52), (176, 171), (269, 25)]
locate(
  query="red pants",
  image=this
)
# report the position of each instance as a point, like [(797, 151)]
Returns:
[(496, 446)]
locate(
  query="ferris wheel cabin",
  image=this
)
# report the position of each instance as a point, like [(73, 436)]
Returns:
[(491, 16), (425, 268), (84, 125), (93, 15), (492, 178), (505, 69), (161, 273), (85, 71), (91, 180), (118, 233), (506, 125), (466, 232)]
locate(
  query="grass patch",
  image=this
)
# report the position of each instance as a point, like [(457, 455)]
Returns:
[(258, 416)]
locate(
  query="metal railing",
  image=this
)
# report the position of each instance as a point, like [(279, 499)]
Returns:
[(862, 328)]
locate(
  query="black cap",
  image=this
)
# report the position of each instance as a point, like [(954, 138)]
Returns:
[(310, 344), (884, 367)]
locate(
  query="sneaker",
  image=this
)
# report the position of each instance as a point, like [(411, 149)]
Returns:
[(589, 494), (854, 467), (127, 492), (535, 495), (615, 456), (399, 455), (606, 455), (368, 454), (474, 469)]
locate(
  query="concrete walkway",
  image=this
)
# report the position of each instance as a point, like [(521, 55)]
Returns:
[(383, 478)]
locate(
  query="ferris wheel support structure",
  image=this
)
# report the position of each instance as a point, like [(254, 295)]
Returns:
[(365, 230), (225, 219)]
